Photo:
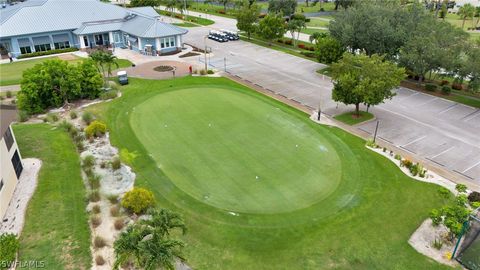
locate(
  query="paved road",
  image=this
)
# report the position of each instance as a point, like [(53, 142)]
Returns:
[(432, 128)]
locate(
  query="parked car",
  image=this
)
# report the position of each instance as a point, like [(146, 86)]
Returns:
[(231, 34), (218, 36)]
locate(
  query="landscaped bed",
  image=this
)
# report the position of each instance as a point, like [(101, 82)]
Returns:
[(260, 185), (351, 118), (56, 232)]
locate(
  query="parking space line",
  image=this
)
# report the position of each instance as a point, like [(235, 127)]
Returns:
[(414, 141), (433, 99), (463, 174), (443, 152), (471, 167), (407, 150), (448, 108), (470, 116), (435, 162)]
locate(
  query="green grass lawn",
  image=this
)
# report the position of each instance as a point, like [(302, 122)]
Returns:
[(321, 199), (56, 228), (11, 73), (318, 22), (190, 21), (310, 31), (350, 118)]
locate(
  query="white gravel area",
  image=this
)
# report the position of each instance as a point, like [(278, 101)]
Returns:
[(15, 215)]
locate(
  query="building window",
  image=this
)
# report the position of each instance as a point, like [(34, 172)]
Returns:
[(8, 138), (24, 50), (85, 41), (43, 47), (172, 42), (168, 42), (61, 45), (17, 164), (116, 38)]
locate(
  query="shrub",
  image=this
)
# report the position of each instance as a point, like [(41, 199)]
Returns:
[(99, 242), (436, 217), (94, 196), (67, 126), (114, 211), (95, 129), (280, 40), (88, 162), (23, 116), (474, 197), (446, 90), (95, 221), (203, 72), (301, 46), (99, 260), (73, 114), (288, 42), (444, 82), (138, 200), (109, 94), (8, 94), (210, 71), (461, 188), (96, 209), (9, 247), (430, 87), (52, 117), (112, 198), (103, 164), (437, 244), (415, 168), (444, 192), (34, 54), (308, 54), (87, 117), (94, 181), (457, 86), (116, 163), (118, 224), (371, 143), (384, 149), (398, 157), (80, 146)]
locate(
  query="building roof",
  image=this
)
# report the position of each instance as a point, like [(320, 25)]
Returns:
[(86, 16), (8, 114)]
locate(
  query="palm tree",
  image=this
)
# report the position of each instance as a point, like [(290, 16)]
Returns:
[(170, 5), (148, 242), (316, 36), (104, 61), (477, 14), (465, 12)]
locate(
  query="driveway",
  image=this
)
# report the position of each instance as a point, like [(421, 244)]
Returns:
[(436, 131)]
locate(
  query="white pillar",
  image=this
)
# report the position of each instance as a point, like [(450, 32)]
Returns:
[(139, 44), (82, 43), (110, 37), (178, 41), (32, 46), (52, 46), (157, 44)]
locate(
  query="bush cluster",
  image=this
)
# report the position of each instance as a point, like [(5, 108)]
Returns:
[(446, 90), (9, 246), (35, 54), (138, 200), (95, 129), (430, 87), (457, 86)]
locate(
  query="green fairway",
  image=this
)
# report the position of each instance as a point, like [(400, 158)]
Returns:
[(11, 73), (56, 227), (321, 199)]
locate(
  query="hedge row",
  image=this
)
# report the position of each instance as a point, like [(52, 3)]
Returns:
[(35, 54)]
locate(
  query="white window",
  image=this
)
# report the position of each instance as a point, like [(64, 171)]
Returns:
[(168, 42), (172, 42)]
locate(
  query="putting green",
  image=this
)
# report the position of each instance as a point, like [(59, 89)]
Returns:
[(236, 152)]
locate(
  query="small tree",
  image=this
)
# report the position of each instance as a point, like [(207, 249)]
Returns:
[(138, 200), (271, 27), (362, 79), (295, 25), (90, 79), (144, 3), (104, 61), (95, 129), (466, 11), (282, 7), (329, 50), (247, 16), (454, 214), (149, 242)]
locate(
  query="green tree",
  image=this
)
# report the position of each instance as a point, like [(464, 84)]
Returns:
[(466, 11), (471, 67), (317, 35), (144, 3), (170, 6), (247, 16), (295, 25), (328, 50), (182, 6), (52, 83), (376, 27), (284, 7), (225, 4), (364, 79), (453, 214), (271, 27), (343, 3), (90, 79), (149, 242), (431, 50), (104, 61)]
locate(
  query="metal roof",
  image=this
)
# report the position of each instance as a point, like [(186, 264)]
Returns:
[(147, 11), (86, 16)]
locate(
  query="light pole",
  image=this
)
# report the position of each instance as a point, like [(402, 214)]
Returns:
[(205, 52), (319, 110), (225, 63)]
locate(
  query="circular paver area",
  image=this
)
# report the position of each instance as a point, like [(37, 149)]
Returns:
[(148, 71)]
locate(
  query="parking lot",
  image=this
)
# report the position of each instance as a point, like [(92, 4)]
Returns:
[(435, 129)]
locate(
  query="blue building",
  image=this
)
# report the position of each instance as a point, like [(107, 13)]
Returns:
[(43, 25)]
